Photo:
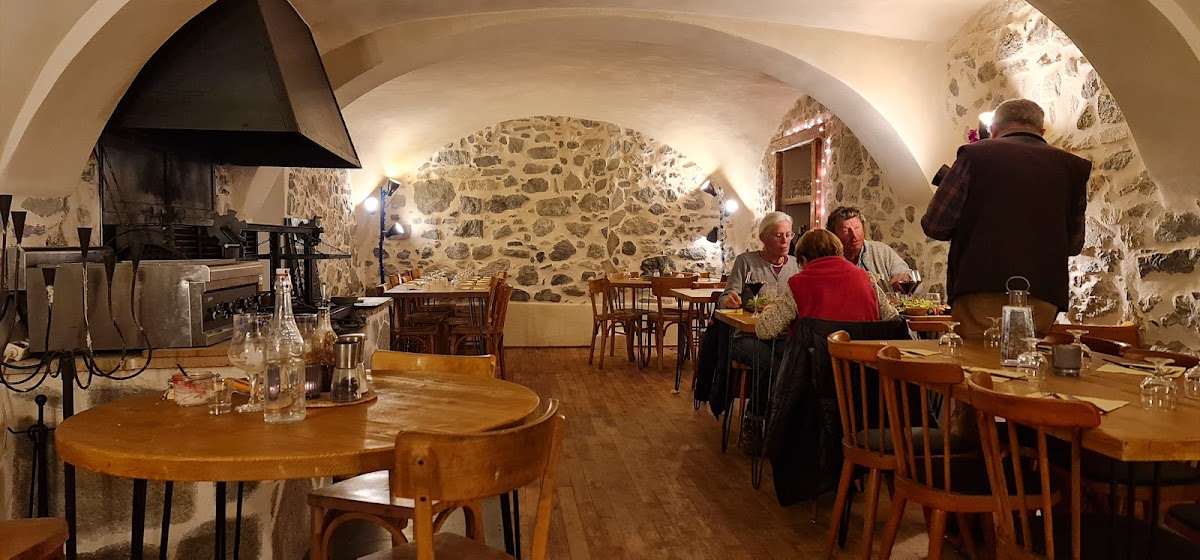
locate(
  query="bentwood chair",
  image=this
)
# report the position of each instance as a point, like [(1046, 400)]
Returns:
[(33, 539), (863, 426), (490, 334), (666, 315), (1048, 528), (941, 482), (1128, 333), (435, 468), (366, 497)]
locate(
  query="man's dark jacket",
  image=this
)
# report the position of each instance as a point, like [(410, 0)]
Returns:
[(804, 430)]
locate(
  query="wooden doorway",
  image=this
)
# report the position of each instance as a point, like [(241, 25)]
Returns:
[(798, 161)]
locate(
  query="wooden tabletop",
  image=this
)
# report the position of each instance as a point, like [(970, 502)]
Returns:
[(1128, 433), (738, 319), (444, 291), (697, 295), (150, 438)]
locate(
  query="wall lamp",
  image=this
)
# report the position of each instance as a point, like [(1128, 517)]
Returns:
[(985, 125), (387, 189)]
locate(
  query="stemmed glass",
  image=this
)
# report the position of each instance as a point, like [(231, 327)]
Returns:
[(1087, 352), (1158, 392), (1191, 383), (1031, 362), (753, 284), (993, 334), (951, 343), (247, 353)]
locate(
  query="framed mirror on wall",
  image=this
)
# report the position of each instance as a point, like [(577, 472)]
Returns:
[(799, 162)]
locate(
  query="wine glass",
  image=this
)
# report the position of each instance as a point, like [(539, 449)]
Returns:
[(1031, 362), (754, 284), (993, 334), (1191, 383), (1087, 352), (246, 352), (908, 287), (1158, 392), (951, 344)]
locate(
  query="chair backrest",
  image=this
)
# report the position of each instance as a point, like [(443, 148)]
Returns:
[(926, 382), (1033, 415), (854, 376), (1181, 360), (929, 328), (433, 467), (376, 291), (504, 296), (478, 366), (1129, 334), (598, 294), (1105, 346)]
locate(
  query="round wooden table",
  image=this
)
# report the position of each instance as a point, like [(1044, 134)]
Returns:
[(145, 437), (148, 438)]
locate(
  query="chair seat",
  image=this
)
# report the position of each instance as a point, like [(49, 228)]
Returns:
[(367, 493), (32, 538), (445, 545)]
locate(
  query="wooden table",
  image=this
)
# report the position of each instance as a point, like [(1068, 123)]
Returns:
[(147, 438), (697, 299), (738, 319), (440, 291), (1129, 433)]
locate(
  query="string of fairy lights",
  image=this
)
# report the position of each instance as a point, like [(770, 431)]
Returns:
[(823, 166)]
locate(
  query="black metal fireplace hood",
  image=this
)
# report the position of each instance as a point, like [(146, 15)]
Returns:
[(240, 83)]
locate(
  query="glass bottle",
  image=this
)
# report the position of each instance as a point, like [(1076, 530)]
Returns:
[(322, 343), (307, 323), (284, 391)]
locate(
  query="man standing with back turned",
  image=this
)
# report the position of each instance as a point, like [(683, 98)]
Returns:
[(1012, 205)]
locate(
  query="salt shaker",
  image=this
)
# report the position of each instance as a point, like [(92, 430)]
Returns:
[(345, 385)]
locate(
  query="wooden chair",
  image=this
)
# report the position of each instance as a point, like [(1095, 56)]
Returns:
[(1128, 333), (927, 329), (477, 366), (433, 468), (665, 316), (1181, 360), (1025, 535), (366, 497), (863, 425), (1104, 346), (491, 333), (940, 482), (33, 539)]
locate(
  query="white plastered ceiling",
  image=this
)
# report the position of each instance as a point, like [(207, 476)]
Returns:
[(710, 77)]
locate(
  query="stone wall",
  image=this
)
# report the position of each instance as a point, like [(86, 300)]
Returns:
[(325, 193), (853, 178), (1139, 261), (53, 221), (551, 200)]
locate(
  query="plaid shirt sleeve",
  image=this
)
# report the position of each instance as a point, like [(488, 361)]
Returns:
[(941, 219)]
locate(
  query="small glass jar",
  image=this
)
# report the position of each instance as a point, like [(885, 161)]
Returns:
[(195, 389)]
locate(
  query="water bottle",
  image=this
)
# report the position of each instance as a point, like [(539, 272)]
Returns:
[(284, 387), (1017, 322)]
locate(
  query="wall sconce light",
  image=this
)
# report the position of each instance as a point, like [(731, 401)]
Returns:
[(714, 235), (709, 188), (729, 207), (371, 205), (396, 231)]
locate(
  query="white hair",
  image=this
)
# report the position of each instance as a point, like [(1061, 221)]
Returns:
[(771, 219), (1018, 111)]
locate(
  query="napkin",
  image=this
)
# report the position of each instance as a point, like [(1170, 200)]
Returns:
[(1105, 405), (917, 352), (1148, 370)]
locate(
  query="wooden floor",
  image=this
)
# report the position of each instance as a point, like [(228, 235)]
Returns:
[(643, 476)]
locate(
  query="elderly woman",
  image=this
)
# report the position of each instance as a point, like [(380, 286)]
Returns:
[(771, 264), (828, 287)]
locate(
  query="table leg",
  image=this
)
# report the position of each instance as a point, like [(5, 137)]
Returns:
[(1113, 504), (1155, 503), (517, 523), (680, 349), (1129, 504), (219, 521), (69, 507), (137, 539), (164, 539), (728, 416), (237, 522), (506, 523), (66, 370)]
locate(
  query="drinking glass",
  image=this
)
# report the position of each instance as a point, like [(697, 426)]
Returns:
[(1191, 383), (1159, 392), (951, 343), (307, 323), (993, 334), (909, 287), (1087, 352), (222, 400), (934, 298), (246, 353), (1031, 362)]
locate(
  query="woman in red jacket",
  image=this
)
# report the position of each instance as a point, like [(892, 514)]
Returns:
[(828, 287)]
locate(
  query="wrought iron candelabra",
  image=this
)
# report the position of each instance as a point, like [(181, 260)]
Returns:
[(28, 375)]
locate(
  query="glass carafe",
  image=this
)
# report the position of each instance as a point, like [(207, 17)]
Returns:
[(284, 391), (1017, 319)]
